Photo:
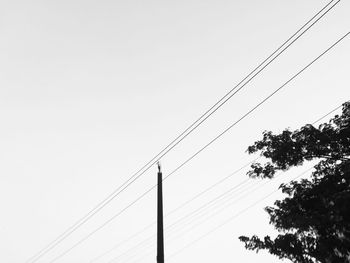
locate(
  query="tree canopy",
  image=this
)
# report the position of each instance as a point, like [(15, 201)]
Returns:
[(313, 221)]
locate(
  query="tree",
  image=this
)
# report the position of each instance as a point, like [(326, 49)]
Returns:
[(313, 221)]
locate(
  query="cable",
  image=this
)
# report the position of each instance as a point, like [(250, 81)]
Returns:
[(177, 140), (215, 208), (217, 212), (193, 212), (178, 222), (167, 229), (177, 208), (185, 217), (222, 224), (206, 205), (190, 200), (258, 105), (204, 147), (244, 210), (230, 219), (103, 225), (201, 193), (324, 116)]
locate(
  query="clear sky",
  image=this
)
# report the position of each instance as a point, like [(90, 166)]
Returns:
[(91, 90)]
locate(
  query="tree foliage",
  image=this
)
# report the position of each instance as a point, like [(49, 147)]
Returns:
[(314, 219)]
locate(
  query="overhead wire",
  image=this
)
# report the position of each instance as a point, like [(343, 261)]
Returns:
[(179, 222), (230, 219), (327, 114), (215, 213), (188, 226), (104, 224), (203, 148), (179, 207), (180, 137), (206, 219), (189, 201)]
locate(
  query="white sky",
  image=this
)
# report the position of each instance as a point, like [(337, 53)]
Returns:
[(91, 90)]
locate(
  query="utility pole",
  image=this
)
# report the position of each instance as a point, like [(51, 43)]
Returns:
[(160, 231)]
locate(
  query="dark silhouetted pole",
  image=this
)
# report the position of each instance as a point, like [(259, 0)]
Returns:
[(160, 232)]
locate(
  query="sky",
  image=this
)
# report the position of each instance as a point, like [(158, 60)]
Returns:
[(91, 90)]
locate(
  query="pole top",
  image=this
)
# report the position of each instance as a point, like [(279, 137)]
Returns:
[(159, 167)]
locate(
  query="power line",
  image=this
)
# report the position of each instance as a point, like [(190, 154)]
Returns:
[(258, 105), (179, 207), (203, 148), (179, 222), (190, 200), (212, 203), (230, 219), (105, 223), (206, 205), (329, 113), (216, 206), (214, 214), (244, 210), (181, 137), (218, 198)]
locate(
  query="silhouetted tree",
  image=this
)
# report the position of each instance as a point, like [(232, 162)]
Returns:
[(314, 219)]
